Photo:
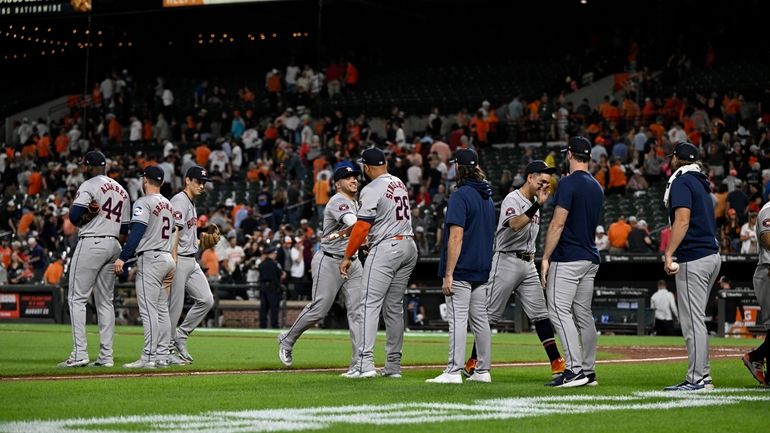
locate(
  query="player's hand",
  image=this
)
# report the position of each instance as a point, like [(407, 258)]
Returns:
[(669, 266), (344, 266), (446, 287), (543, 193), (544, 265), (119, 266)]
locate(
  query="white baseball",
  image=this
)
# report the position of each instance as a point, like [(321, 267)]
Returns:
[(674, 267)]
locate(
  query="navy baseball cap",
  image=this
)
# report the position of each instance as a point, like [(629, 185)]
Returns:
[(579, 145), (373, 156), (94, 158), (539, 166), (197, 172), (345, 172), (154, 172), (465, 157), (685, 151)]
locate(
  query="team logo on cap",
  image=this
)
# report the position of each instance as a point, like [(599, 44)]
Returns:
[(344, 207), (203, 173), (510, 211)]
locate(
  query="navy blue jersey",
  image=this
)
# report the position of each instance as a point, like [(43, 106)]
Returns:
[(580, 194), (691, 190), (471, 208)]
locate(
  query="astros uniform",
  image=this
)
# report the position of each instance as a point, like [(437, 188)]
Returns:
[(513, 266), (188, 275), (327, 280), (392, 257), (761, 278), (155, 271), (92, 263)]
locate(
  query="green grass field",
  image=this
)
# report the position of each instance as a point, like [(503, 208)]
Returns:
[(247, 390)]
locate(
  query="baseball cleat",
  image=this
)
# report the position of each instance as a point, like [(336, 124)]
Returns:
[(181, 350), (73, 363), (285, 356), (755, 368), (704, 384), (446, 378), (568, 379), (140, 363), (470, 367), (592, 379), (366, 374), (391, 375), (106, 364), (480, 377), (557, 367), (351, 374)]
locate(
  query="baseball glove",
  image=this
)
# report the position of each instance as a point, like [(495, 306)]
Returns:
[(91, 212), (211, 237)]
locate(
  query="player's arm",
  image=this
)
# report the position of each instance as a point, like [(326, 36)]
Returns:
[(678, 231), (454, 246), (129, 248), (349, 220), (175, 244), (358, 234), (76, 212), (555, 230)]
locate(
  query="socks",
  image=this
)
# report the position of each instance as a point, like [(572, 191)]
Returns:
[(545, 333)]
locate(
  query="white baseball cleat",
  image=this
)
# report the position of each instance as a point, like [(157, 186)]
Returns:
[(104, 364), (351, 374), (285, 356), (365, 375), (480, 377), (384, 373), (446, 378), (140, 363), (73, 363), (181, 350)]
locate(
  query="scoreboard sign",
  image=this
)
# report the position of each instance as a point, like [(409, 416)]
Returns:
[(9, 305), (27, 306), (43, 7)]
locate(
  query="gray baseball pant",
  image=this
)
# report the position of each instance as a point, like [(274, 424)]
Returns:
[(93, 266), (327, 282), (385, 276), (693, 284), (510, 274), (188, 277), (153, 282), (762, 291), (570, 288), (468, 305)]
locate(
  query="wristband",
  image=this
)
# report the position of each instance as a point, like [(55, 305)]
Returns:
[(532, 210)]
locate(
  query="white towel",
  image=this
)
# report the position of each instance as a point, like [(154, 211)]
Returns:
[(680, 171)]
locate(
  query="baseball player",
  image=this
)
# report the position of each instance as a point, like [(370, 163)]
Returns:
[(693, 241), (466, 258), (569, 280), (385, 218), (188, 276), (756, 360), (102, 210), (513, 264), (339, 217), (150, 238)]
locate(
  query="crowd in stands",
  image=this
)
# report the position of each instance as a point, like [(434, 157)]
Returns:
[(287, 159)]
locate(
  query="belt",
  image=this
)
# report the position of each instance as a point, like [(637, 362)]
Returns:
[(150, 251), (400, 237), (523, 255), (98, 237), (338, 256), (185, 255)]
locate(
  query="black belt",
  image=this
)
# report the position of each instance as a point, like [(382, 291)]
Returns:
[(150, 251), (339, 257), (98, 237), (186, 255), (523, 255)]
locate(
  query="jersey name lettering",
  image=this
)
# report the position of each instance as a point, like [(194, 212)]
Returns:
[(392, 186), (160, 207), (107, 187)]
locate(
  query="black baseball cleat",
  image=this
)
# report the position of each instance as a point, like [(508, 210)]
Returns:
[(568, 379)]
